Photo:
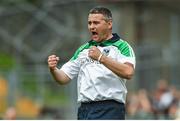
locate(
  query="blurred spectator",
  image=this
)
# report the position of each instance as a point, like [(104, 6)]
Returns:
[(162, 99), (163, 103), (132, 105), (10, 114), (139, 106)]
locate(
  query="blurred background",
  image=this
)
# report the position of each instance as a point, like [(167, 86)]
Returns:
[(31, 30)]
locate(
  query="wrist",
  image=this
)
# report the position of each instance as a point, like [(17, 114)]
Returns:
[(99, 58), (102, 59)]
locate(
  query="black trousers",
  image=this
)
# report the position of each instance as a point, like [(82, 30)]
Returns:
[(101, 110)]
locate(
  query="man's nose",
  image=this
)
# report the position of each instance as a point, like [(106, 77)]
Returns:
[(92, 27)]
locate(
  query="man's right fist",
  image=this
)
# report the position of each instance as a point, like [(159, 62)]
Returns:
[(52, 61)]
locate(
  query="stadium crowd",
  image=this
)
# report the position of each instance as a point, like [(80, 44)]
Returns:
[(161, 103)]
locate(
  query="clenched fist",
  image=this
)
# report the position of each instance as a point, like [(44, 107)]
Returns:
[(53, 61), (94, 53)]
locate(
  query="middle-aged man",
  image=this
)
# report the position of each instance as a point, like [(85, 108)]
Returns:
[(101, 67)]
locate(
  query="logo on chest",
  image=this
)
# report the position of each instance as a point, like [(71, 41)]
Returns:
[(106, 51)]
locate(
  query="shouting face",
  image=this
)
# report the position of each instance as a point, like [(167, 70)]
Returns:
[(99, 28)]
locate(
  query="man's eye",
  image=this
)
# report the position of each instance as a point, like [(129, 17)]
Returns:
[(96, 22)]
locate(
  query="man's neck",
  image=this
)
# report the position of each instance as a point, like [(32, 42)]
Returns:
[(110, 36)]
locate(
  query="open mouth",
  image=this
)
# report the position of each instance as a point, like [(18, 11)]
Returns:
[(94, 33)]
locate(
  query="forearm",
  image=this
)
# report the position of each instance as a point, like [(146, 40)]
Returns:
[(59, 76), (122, 70)]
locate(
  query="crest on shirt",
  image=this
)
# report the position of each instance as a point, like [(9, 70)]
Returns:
[(106, 51)]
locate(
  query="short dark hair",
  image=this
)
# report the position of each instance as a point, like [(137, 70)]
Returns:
[(102, 10)]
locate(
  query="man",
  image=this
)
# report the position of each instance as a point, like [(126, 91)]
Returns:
[(101, 67)]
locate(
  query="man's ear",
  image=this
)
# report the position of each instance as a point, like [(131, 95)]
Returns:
[(110, 24)]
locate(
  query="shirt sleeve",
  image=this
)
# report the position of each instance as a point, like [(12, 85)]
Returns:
[(71, 68), (127, 57), (124, 59)]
